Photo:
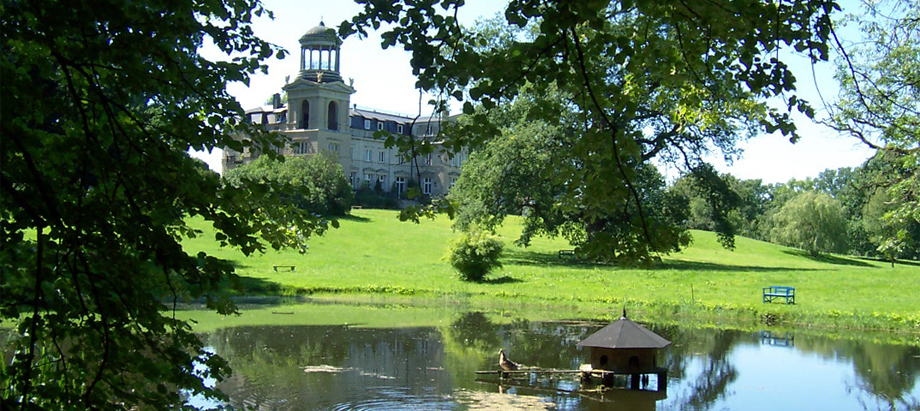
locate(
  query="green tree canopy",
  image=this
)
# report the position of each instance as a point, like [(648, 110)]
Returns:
[(515, 173), (101, 102), (879, 76), (317, 185), (812, 221), (646, 80)]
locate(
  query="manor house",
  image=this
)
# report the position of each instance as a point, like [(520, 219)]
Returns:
[(317, 116)]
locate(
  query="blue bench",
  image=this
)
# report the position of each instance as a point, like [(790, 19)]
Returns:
[(776, 291)]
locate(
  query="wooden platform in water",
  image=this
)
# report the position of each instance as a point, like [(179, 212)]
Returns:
[(593, 373)]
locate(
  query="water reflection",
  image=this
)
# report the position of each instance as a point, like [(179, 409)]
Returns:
[(339, 367)]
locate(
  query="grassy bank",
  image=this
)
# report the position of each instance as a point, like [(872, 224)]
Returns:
[(373, 253)]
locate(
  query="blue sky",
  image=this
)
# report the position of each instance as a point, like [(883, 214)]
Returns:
[(383, 80)]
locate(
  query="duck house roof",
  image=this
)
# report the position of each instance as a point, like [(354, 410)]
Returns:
[(624, 334)]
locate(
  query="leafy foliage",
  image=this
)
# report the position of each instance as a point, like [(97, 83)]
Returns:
[(811, 221), (645, 80), (316, 185), (101, 103), (879, 78), (515, 173), (474, 254)]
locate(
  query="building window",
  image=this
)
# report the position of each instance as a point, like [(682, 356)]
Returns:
[(304, 115), (453, 181), (382, 179), (427, 185), (379, 125), (428, 159), (399, 128), (460, 160), (383, 157), (333, 116), (367, 124), (367, 180), (301, 147), (353, 179), (334, 147), (367, 156), (400, 185)]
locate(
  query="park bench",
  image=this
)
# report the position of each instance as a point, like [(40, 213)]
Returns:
[(566, 252), (284, 267), (777, 291)]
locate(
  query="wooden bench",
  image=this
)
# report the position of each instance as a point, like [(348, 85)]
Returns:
[(284, 267), (778, 291), (566, 252)]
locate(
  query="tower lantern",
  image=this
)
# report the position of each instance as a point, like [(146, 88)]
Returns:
[(319, 55)]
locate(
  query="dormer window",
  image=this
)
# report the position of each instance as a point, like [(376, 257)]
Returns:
[(367, 124), (399, 128), (379, 125)]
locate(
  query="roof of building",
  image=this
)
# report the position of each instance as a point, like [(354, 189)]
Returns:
[(376, 115), (624, 334), (320, 33)]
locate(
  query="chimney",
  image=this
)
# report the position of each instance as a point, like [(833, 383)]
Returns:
[(276, 100)]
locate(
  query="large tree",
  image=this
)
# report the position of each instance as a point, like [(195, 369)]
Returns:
[(101, 102), (665, 80), (514, 173), (879, 102), (812, 221)]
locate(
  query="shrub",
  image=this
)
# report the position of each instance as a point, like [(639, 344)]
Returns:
[(475, 254)]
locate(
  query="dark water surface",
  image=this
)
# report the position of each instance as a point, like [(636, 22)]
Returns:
[(343, 367)]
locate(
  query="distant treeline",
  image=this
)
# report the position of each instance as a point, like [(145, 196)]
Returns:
[(847, 210)]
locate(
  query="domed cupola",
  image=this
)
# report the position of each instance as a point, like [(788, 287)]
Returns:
[(319, 55)]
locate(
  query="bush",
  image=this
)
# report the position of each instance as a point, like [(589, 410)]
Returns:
[(375, 198), (475, 254)]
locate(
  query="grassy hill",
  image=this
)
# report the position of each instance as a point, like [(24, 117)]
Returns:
[(374, 253)]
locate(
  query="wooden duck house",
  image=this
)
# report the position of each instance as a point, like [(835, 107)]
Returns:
[(625, 347)]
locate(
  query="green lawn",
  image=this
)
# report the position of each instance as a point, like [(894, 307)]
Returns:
[(374, 253)]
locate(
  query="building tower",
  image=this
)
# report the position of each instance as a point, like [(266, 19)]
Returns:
[(318, 100)]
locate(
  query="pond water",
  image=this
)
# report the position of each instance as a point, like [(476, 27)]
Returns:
[(349, 367)]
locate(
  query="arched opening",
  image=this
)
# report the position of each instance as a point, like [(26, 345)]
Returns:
[(333, 116), (304, 115), (604, 360), (633, 362)]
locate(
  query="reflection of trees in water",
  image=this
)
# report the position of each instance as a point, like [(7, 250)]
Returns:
[(269, 362), (474, 330), (546, 344), (474, 340), (269, 365), (711, 347), (887, 373)]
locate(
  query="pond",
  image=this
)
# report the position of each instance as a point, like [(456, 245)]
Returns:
[(361, 367)]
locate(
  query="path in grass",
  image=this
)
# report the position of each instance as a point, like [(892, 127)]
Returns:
[(374, 252)]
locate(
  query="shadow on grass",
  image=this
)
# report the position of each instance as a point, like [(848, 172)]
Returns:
[(257, 286), (351, 217), (501, 280), (829, 259), (543, 259), (882, 260), (701, 266)]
